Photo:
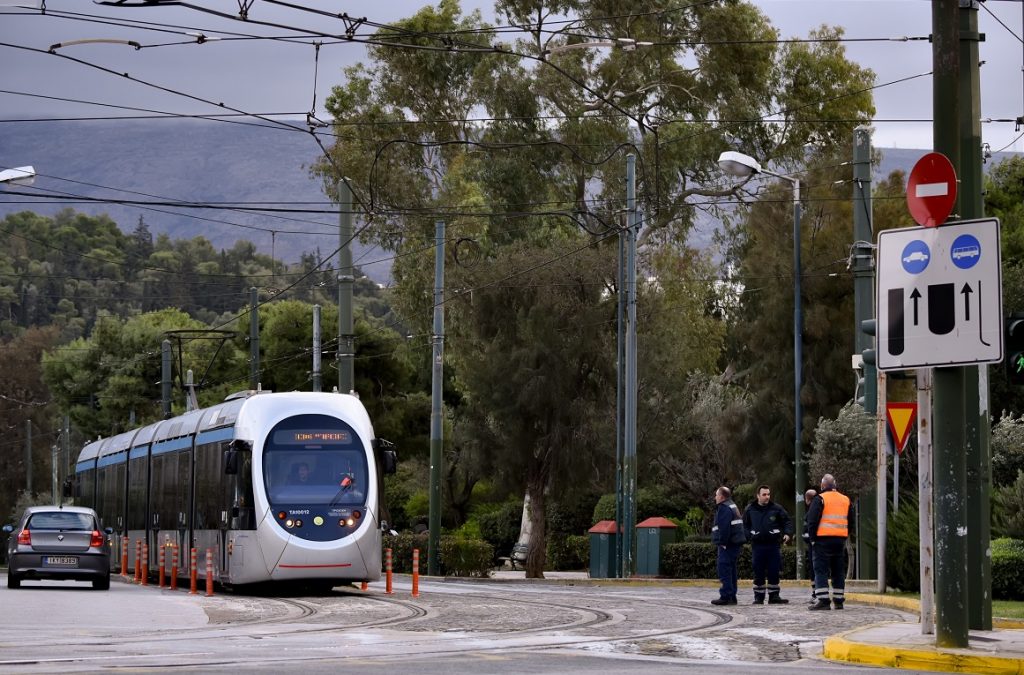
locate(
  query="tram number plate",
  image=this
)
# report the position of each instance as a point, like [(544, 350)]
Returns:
[(61, 560)]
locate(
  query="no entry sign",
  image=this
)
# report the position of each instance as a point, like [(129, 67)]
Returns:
[(931, 190)]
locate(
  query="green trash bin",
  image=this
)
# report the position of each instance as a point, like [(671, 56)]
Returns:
[(651, 535), (603, 540)]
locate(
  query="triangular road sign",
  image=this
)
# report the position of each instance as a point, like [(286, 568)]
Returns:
[(901, 421)]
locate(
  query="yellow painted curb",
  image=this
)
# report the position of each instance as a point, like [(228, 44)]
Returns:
[(839, 648)]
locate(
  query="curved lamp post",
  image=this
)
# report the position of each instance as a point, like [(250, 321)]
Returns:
[(22, 175), (744, 166)]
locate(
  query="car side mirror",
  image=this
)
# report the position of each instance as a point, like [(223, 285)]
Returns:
[(387, 454), (8, 528), (230, 462), (68, 489), (108, 530)]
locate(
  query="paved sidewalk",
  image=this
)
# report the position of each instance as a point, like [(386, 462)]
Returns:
[(902, 645)]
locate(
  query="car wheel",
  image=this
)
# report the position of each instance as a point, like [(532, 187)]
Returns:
[(13, 581), (101, 584)]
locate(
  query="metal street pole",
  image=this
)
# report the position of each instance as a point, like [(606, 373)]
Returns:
[(800, 476), (629, 447), (436, 405), (316, 348), (346, 277), (620, 386), (926, 521), (254, 339), (976, 419)]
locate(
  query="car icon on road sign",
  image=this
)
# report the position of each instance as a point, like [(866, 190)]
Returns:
[(918, 256), (915, 257)]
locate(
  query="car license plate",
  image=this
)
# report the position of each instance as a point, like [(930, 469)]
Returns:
[(61, 560)]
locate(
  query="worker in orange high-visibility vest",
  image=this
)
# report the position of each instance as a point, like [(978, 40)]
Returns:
[(828, 525)]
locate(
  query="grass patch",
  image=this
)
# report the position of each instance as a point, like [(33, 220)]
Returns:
[(1001, 609)]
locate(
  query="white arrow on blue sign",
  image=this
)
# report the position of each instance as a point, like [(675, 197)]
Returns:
[(940, 296)]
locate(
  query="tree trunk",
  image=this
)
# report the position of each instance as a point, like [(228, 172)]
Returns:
[(537, 552)]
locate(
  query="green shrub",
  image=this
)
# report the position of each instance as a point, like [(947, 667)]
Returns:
[(902, 550), (458, 557), (500, 528), (1007, 569), (568, 552), (700, 561), (466, 557)]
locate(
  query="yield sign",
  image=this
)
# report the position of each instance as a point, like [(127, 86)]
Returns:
[(901, 419), (931, 190)]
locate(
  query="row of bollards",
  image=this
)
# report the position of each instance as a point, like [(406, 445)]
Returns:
[(140, 573)]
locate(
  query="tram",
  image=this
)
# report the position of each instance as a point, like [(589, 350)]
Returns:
[(278, 486)]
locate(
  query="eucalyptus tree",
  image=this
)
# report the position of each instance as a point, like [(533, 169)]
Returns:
[(517, 135)]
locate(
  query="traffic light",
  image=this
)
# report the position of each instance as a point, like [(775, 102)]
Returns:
[(867, 384), (1015, 349)]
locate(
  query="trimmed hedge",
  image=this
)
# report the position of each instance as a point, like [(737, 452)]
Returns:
[(700, 561), (571, 552), (457, 557), (1007, 569)]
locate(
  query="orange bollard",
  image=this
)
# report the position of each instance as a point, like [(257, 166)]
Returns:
[(163, 564), (145, 563), (138, 561), (193, 570), (124, 556), (415, 573), (174, 567), (387, 570), (209, 572), (364, 586)]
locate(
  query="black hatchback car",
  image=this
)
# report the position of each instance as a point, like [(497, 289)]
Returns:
[(58, 542)]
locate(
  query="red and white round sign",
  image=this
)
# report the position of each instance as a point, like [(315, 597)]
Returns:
[(931, 190)]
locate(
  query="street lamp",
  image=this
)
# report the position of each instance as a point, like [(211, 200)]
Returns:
[(743, 166), (23, 175)]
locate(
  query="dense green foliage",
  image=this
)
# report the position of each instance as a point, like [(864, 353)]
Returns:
[(1007, 569), (699, 561)]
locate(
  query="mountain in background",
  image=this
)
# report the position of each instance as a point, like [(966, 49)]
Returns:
[(201, 161)]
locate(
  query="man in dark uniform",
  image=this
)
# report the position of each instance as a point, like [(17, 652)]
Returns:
[(768, 527), (829, 527), (729, 536), (809, 559)]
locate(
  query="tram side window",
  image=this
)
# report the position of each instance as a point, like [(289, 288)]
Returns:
[(211, 486), (137, 483)]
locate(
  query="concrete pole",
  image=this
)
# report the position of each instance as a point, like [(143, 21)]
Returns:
[(346, 277), (436, 407), (948, 386), (799, 471)]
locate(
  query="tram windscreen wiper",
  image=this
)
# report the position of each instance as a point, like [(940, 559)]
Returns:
[(348, 481)]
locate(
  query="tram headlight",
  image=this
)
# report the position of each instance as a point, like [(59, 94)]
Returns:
[(318, 521), (350, 522), (289, 523), (357, 514), (298, 523), (281, 515)]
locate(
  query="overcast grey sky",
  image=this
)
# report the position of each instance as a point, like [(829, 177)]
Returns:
[(263, 77)]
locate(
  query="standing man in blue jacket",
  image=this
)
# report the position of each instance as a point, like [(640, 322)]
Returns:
[(729, 536), (768, 527)]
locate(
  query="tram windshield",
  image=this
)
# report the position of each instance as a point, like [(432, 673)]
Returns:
[(314, 460)]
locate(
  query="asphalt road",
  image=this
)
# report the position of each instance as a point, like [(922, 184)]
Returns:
[(452, 627)]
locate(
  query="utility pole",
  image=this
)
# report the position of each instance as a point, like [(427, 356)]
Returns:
[(864, 310), (948, 383), (316, 347), (165, 377), (978, 463), (620, 404), (346, 277), (436, 406), (629, 446), (254, 339), (28, 456)]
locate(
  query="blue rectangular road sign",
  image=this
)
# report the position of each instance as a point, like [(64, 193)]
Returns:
[(939, 296)]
